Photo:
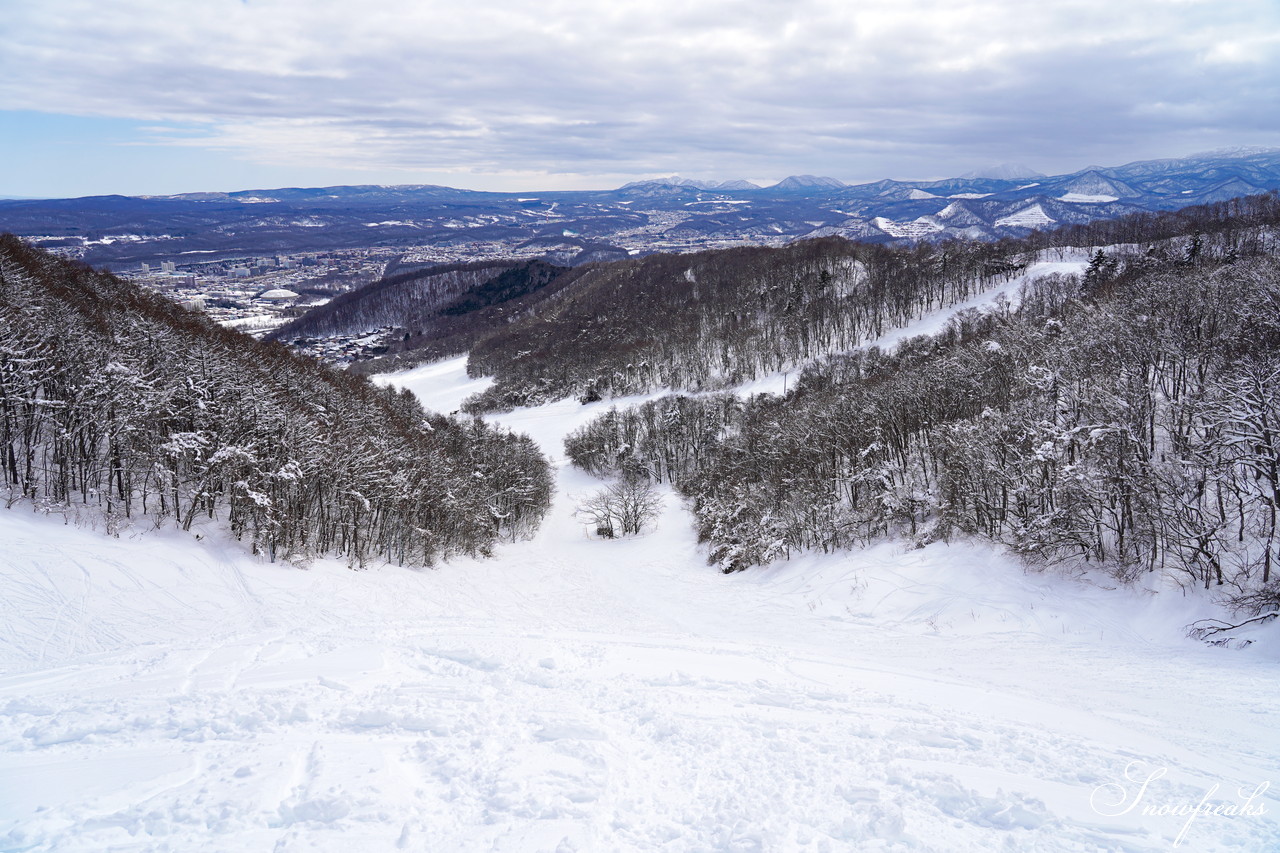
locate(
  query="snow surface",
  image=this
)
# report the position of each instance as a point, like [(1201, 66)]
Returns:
[(1031, 217), (919, 227), (440, 386), (572, 694), (1084, 198)]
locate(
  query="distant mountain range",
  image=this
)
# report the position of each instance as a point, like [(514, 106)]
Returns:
[(1006, 172), (677, 181), (653, 215)]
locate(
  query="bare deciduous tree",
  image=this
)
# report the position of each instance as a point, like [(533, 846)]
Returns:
[(622, 508)]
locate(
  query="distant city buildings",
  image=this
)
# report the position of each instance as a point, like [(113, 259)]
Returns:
[(257, 294)]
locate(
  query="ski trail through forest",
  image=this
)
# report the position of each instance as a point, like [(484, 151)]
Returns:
[(578, 694)]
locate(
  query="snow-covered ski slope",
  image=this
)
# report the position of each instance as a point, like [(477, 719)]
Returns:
[(159, 693)]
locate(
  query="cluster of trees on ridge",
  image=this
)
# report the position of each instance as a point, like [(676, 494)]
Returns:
[(714, 319), (116, 400), (440, 310), (1128, 418)]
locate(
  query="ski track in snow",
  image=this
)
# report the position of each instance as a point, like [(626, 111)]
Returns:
[(158, 693)]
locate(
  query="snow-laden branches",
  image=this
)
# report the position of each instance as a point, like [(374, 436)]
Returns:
[(119, 400)]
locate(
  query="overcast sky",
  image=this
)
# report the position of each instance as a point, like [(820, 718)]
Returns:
[(162, 96)]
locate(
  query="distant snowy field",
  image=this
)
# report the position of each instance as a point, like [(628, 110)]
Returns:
[(571, 694)]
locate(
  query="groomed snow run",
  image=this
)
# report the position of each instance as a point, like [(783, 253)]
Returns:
[(572, 694)]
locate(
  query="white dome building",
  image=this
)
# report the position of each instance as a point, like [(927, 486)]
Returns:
[(278, 295)]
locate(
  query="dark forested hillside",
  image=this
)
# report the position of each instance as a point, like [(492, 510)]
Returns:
[(116, 400), (1129, 417), (396, 300), (441, 310), (1243, 223), (714, 319)]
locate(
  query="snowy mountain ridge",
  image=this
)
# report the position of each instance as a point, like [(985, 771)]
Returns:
[(677, 181), (1005, 172), (640, 217)]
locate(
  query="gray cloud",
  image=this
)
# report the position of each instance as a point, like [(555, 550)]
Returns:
[(568, 88)]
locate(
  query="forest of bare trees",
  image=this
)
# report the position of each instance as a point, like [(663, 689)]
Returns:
[(117, 403), (1127, 418), (714, 319)]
